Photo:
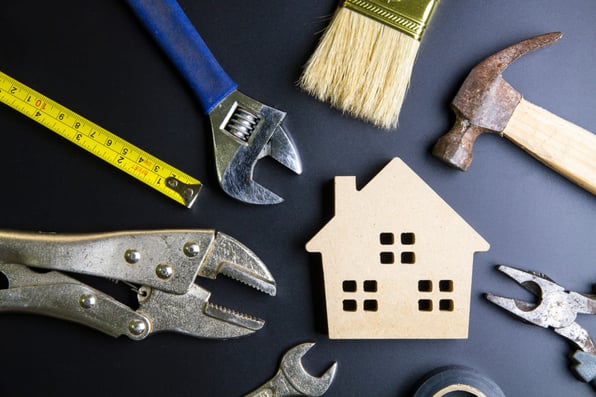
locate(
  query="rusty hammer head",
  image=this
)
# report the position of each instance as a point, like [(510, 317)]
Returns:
[(485, 102)]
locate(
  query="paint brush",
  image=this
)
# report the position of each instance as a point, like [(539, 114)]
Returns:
[(365, 58)]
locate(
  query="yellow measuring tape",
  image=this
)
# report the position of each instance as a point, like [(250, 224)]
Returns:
[(112, 149)]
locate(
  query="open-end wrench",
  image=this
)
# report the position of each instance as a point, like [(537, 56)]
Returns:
[(293, 380), (244, 130)]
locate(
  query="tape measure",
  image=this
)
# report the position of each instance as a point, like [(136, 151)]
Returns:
[(98, 141)]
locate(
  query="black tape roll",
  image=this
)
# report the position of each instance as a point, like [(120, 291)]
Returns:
[(458, 378)]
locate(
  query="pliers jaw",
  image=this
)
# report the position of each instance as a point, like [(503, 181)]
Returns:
[(556, 308), (244, 131), (227, 256), (194, 315), (551, 310)]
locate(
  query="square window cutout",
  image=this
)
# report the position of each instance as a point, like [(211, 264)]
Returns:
[(425, 286), (370, 286), (408, 257), (387, 238), (371, 305), (446, 286), (349, 286), (408, 238), (446, 305), (425, 305), (350, 305), (387, 258)]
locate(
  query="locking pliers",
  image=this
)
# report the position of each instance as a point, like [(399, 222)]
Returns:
[(557, 308), (161, 265)]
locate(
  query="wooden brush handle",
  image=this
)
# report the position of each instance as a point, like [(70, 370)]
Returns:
[(563, 146)]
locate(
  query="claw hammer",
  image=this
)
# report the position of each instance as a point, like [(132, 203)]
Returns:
[(487, 103)]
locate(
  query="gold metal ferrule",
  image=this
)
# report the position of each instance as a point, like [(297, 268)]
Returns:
[(408, 16)]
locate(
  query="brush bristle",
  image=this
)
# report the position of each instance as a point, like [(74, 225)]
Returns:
[(362, 67)]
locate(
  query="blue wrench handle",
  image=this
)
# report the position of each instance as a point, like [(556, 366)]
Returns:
[(174, 32)]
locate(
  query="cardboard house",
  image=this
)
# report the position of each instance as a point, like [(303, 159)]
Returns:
[(397, 260)]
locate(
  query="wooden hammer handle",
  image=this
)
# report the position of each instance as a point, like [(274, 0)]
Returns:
[(563, 146)]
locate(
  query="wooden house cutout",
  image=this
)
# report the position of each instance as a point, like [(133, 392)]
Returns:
[(397, 260)]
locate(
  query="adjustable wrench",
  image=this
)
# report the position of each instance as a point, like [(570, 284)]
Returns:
[(244, 130)]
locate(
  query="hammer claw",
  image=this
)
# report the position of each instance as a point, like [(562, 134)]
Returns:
[(497, 63)]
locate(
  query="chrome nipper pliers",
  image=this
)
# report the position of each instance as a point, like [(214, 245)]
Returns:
[(244, 130), (557, 308), (161, 266)]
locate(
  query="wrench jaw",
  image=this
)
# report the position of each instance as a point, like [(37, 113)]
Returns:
[(192, 314), (283, 149), (233, 259), (308, 385), (244, 131), (293, 380)]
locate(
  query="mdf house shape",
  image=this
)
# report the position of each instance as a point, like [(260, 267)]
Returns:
[(397, 260)]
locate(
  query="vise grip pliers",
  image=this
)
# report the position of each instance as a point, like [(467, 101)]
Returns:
[(244, 130), (557, 309), (160, 265)]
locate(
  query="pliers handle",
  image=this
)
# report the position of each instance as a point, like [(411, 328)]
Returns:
[(57, 295)]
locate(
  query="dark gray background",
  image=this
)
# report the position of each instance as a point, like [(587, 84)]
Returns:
[(94, 57)]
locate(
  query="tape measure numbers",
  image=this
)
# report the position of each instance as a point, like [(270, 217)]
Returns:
[(97, 140)]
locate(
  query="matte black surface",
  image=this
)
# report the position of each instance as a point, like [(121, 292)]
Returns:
[(94, 57)]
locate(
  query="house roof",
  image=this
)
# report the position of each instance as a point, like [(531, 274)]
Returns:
[(396, 195)]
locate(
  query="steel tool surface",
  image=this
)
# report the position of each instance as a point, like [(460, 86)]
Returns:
[(487, 103), (557, 308), (160, 265), (244, 130), (293, 380)]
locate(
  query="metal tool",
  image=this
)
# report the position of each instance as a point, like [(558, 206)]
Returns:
[(557, 309), (244, 130), (160, 265), (487, 103), (293, 380), (96, 140)]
